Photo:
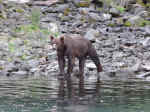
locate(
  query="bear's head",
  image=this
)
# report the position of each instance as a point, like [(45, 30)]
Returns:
[(57, 43)]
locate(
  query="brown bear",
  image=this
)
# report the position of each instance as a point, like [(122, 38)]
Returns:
[(74, 46)]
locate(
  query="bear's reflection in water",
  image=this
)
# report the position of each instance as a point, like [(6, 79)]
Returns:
[(76, 93)]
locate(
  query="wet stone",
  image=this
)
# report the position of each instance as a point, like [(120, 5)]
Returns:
[(11, 67), (94, 17), (91, 66), (114, 12), (146, 66), (19, 73), (146, 42)]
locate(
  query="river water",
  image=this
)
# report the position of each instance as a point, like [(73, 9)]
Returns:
[(50, 94)]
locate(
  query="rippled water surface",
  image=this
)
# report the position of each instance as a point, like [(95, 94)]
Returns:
[(50, 94)]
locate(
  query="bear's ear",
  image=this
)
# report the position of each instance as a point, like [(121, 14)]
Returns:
[(51, 37), (62, 39)]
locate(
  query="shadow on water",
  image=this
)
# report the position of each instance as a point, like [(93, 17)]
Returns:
[(50, 94)]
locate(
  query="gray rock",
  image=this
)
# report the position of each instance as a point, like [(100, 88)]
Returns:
[(52, 55), (53, 28), (127, 38), (117, 55), (134, 19), (146, 42), (62, 7), (19, 1), (147, 30), (4, 73), (138, 9), (143, 75), (2, 62), (49, 10), (34, 70), (76, 2), (11, 68), (106, 16), (146, 66), (94, 17), (90, 66), (22, 73), (91, 34), (115, 12), (84, 11)]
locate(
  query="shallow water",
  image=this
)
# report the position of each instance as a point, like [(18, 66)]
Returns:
[(50, 94)]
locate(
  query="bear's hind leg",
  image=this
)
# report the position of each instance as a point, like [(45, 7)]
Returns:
[(94, 56), (81, 69)]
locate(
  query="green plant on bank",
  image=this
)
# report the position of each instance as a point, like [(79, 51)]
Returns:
[(107, 2), (9, 59), (35, 21), (127, 24), (140, 23), (1, 67), (11, 47), (34, 26), (19, 10), (148, 5), (140, 2), (144, 23), (27, 28), (35, 17), (85, 3), (23, 57), (111, 25), (120, 8)]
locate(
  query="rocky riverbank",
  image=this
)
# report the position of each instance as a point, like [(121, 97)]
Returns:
[(121, 32)]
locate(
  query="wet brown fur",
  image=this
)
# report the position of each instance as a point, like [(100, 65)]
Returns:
[(74, 47)]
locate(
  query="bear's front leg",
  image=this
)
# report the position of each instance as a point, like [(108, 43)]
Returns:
[(70, 65), (61, 63)]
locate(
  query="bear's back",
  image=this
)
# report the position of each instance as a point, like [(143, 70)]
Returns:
[(77, 44)]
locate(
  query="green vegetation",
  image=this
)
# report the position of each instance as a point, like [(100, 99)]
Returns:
[(140, 23), (35, 22), (127, 23), (19, 10), (34, 27), (23, 57), (144, 23), (85, 3), (66, 11), (111, 25), (35, 17), (1, 68), (140, 2), (120, 8), (11, 47)]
